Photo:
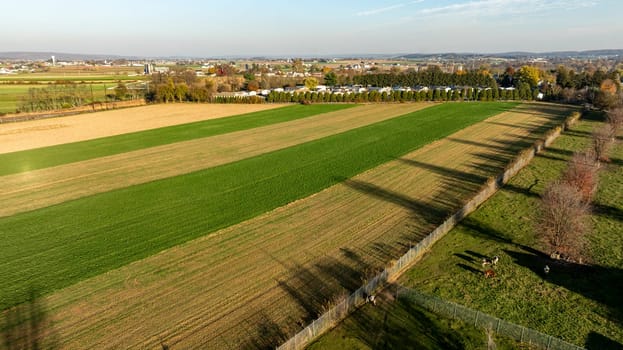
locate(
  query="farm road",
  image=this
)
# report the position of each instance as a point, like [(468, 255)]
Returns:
[(254, 284), (41, 188)]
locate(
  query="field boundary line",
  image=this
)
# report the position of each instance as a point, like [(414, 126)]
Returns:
[(448, 309), (342, 309), (84, 109)]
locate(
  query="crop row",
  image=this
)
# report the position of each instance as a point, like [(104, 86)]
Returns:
[(57, 246), (15, 162)]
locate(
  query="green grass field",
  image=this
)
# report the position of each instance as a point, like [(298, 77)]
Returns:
[(75, 77), (12, 94), (56, 246), (27, 160), (578, 304)]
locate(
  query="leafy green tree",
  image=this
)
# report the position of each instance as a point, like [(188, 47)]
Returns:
[(121, 91), (166, 92), (181, 90), (330, 79)]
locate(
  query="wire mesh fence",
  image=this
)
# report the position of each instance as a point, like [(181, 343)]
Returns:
[(335, 314), (478, 319)]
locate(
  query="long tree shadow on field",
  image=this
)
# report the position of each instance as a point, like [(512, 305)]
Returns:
[(26, 326), (318, 287), (269, 333), (598, 341), (398, 324), (608, 211), (415, 206), (599, 283)]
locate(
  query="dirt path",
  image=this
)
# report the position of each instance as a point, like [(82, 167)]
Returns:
[(40, 188), (55, 131), (248, 286)]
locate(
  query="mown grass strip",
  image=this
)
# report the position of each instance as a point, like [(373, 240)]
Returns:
[(16, 162), (60, 245)]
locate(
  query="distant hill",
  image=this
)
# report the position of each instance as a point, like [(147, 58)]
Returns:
[(521, 54), (60, 56)]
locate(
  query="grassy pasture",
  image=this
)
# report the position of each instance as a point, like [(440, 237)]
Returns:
[(579, 305), (12, 94), (401, 325), (15, 162), (69, 76), (251, 284), (57, 246)]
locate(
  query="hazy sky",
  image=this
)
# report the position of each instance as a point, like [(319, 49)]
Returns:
[(319, 27)]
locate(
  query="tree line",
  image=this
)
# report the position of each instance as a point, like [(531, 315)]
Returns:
[(433, 76), (564, 221), (56, 96), (465, 94)]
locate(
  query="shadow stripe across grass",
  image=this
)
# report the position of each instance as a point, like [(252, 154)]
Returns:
[(27, 160), (57, 246)]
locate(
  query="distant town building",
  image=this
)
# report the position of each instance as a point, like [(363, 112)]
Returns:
[(148, 68)]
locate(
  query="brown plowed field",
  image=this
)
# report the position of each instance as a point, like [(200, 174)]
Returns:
[(255, 283), (40, 188), (56, 131)]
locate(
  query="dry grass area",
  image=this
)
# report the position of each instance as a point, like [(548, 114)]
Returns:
[(253, 284), (55, 131), (40, 188)]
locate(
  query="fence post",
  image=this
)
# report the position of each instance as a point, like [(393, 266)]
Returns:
[(454, 312), (549, 341), (497, 329), (522, 331), (476, 320)]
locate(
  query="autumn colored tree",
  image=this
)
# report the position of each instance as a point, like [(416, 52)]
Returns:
[(253, 85), (581, 173), (563, 222), (608, 86), (527, 74), (311, 83)]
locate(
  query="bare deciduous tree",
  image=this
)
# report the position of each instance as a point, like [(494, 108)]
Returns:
[(563, 221), (602, 141), (615, 119), (581, 173)]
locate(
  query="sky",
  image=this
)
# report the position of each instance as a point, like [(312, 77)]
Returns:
[(206, 28)]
